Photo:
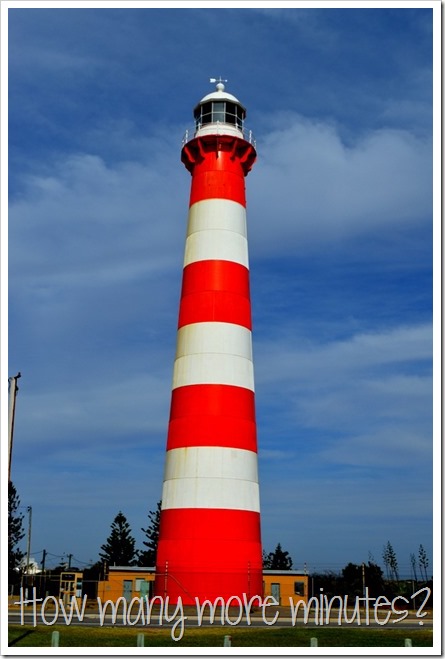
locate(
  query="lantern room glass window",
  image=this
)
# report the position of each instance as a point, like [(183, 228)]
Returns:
[(219, 111)]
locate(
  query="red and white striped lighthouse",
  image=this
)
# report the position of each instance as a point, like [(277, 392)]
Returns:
[(209, 539)]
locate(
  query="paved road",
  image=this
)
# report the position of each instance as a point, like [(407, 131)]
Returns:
[(276, 618)]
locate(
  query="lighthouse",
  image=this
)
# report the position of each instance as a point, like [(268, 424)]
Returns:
[(209, 538)]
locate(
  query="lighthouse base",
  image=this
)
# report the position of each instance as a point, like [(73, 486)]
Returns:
[(209, 554)]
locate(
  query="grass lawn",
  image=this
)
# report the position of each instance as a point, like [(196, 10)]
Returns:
[(40, 636)]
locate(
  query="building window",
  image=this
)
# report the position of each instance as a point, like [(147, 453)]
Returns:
[(299, 588), (138, 587)]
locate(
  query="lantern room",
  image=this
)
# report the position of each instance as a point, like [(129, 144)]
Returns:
[(219, 112)]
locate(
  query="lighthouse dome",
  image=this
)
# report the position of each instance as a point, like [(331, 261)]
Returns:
[(219, 112), (220, 94)]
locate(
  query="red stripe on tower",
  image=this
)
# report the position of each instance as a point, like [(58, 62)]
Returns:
[(209, 539)]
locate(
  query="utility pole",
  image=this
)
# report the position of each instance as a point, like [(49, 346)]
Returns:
[(28, 550), (363, 580), (43, 560), (43, 578), (13, 389)]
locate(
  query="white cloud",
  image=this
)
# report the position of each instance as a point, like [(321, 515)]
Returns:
[(388, 447), (91, 223), (312, 364), (107, 409), (357, 402), (309, 188), (368, 398)]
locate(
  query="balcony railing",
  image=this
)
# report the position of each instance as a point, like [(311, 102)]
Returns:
[(221, 128)]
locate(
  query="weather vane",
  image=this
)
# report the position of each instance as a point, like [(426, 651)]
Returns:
[(219, 81)]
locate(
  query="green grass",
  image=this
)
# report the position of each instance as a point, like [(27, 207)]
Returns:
[(40, 636)]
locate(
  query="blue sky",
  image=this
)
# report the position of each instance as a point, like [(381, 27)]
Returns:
[(340, 238)]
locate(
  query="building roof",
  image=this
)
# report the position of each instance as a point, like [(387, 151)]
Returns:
[(294, 573), (130, 568)]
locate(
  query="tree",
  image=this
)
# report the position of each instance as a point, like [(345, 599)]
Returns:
[(413, 565), (331, 583), (267, 561), (91, 577), (15, 534), (374, 579), (148, 556), (279, 559), (356, 577), (390, 560), (423, 562), (119, 548), (352, 580), (385, 556)]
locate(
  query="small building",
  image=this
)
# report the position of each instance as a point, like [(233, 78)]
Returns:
[(70, 585), (286, 586), (129, 582)]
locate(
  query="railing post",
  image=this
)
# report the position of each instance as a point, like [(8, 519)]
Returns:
[(55, 636)]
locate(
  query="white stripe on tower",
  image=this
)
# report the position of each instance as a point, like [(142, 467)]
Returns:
[(212, 477), (217, 214), (214, 353), (217, 231)]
